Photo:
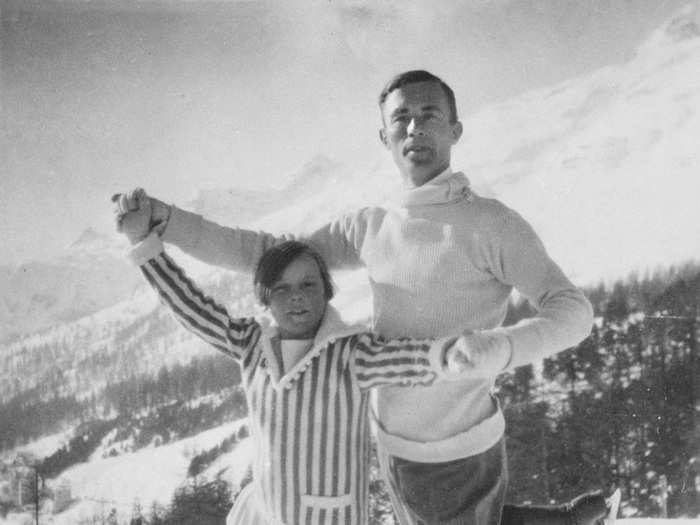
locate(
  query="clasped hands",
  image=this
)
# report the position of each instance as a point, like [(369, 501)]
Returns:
[(478, 354), (137, 214)]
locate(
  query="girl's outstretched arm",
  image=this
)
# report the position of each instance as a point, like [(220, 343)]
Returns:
[(378, 361), (407, 361), (197, 312)]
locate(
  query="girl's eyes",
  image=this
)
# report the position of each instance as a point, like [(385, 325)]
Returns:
[(284, 288)]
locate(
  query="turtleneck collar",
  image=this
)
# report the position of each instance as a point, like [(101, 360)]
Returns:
[(445, 188)]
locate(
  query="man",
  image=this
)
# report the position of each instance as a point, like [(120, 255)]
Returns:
[(441, 260)]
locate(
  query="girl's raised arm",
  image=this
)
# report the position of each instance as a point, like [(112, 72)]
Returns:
[(197, 312)]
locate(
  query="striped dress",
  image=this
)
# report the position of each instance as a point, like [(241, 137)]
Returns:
[(310, 423)]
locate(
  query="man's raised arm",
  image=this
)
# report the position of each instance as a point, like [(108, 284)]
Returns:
[(239, 249)]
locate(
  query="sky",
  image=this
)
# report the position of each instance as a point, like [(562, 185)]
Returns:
[(98, 97)]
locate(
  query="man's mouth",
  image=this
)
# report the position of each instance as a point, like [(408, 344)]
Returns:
[(297, 313), (415, 149)]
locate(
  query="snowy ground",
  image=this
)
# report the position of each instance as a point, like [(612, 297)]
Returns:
[(657, 521), (45, 446), (27, 519), (103, 486), (146, 476)]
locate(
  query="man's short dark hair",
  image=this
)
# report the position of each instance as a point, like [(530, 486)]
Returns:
[(420, 75), (274, 262)]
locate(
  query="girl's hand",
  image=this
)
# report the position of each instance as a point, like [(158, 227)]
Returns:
[(133, 214), (479, 354)]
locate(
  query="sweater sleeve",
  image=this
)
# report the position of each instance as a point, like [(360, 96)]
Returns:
[(406, 362), (239, 249), (564, 315), (197, 312)]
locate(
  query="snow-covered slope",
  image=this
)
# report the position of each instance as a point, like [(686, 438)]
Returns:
[(605, 166), (133, 337), (152, 475), (148, 476), (92, 274)]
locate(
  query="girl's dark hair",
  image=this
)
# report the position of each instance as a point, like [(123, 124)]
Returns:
[(274, 262)]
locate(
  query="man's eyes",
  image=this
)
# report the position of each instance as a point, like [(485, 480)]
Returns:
[(404, 119), (400, 119), (431, 116)]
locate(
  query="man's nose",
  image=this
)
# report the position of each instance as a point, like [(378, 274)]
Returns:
[(415, 127)]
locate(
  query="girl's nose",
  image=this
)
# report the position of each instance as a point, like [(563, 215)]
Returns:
[(296, 296)]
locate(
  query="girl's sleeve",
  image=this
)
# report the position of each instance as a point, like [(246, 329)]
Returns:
[(406, 362), (197, 312)]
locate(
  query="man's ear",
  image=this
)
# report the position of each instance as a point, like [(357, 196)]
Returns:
[(457, 130), (382, 137)]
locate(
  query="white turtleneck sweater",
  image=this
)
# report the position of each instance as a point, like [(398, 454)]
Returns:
[(440, 260)]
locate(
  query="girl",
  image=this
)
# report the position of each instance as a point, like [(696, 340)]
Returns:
[(307, 379)]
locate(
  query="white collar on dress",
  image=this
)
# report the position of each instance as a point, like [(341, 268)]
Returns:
[(332, 327)]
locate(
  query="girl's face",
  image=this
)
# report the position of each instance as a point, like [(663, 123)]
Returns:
[(297, 299)]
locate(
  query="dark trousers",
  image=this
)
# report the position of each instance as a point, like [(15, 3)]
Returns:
[(471, 491), (465, 491)]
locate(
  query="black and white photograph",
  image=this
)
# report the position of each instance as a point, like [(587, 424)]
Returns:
[(350, 262)]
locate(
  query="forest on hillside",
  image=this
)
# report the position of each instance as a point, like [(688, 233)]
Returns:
[(619, 410), (622, 408)]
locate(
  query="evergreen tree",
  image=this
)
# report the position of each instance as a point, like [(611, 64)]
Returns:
[(196, 502)]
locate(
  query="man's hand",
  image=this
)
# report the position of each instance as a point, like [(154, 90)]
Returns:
[(479, 354), (137, 214), (133, 213)]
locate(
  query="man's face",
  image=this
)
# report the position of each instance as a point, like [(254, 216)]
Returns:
[(418, 132), (297, 300)]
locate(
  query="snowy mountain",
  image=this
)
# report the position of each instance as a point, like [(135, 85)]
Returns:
[(89, 276), (133, 337), (93, 273), (605, 166), (246, 206)]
